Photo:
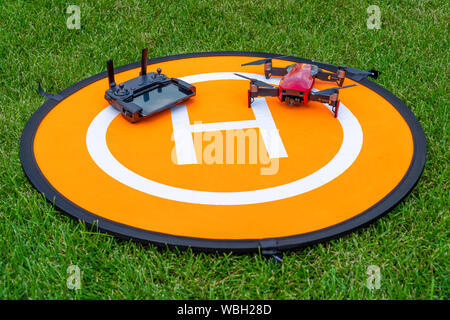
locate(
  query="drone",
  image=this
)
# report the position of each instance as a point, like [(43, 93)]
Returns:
[(298, 80), (146, 94)]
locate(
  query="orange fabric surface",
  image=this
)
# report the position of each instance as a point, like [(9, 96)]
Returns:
[(309, 133)]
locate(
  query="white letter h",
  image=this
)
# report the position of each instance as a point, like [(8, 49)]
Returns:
[(182, 131)]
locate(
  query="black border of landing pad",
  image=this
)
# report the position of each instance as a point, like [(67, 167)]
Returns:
[(39, 181)]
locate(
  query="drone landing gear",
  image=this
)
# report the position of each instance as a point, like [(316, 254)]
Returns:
[(256, 91), (330, 96)]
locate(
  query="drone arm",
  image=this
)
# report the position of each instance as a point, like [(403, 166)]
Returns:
[(273, 71), (337, 76), (279, 72), (265, 92), (331, 98), (325, 76), (342, 72), (256, 91)]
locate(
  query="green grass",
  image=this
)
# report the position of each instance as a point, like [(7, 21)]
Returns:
[(37, 244)]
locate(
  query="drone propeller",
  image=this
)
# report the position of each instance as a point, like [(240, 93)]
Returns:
[(262, 61), (357, 74), (361, 74), (357, 71), (256, 82), (331, 90)]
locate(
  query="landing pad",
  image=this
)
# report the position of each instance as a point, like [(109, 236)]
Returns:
[(213, 174)]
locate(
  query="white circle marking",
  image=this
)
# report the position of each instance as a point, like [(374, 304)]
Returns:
[(344, 158)]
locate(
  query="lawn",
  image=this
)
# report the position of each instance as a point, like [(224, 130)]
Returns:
[(37, 243)]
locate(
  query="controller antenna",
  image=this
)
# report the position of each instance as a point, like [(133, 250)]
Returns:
[(110, 67), (144, 62)]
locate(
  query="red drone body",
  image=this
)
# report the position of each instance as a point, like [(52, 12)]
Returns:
[(297, 82)]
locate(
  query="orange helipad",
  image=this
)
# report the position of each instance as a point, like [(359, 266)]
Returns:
[(215, 174)]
